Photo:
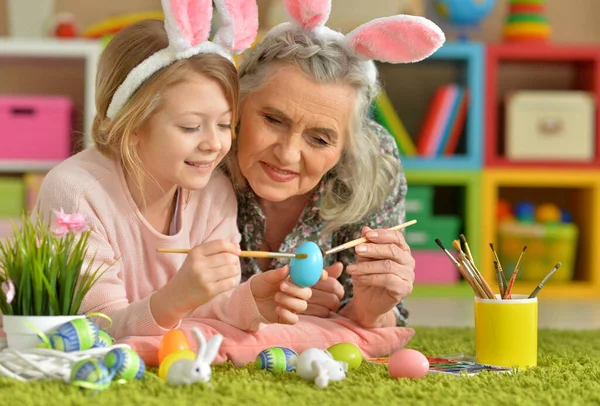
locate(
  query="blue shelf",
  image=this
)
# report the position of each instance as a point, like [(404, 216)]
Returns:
[(472, 55)]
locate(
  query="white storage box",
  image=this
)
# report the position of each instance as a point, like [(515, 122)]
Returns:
[(550, 126)]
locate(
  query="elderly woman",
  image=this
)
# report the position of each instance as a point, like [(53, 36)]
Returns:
[(308, 163)]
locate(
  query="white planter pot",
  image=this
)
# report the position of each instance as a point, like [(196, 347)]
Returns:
[(22, 337)]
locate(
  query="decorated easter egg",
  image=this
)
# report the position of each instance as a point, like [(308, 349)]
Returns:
[(125, 363), (348, 353), (163, 369), (90, 373), (305, 272), (175, 340), (75, 335), (525, 212), (104, 340), (548, 213), (408, 363), (276, 359)]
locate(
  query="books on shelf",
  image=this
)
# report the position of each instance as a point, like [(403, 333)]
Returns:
[(442, 128), (444, 122)]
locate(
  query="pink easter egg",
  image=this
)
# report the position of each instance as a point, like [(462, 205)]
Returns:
[(408, 363)]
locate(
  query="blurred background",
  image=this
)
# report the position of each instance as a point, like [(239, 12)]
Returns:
[(498, 131)]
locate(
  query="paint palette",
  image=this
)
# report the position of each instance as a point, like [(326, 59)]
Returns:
[(452, 366)]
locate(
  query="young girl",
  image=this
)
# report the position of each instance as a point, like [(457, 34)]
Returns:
[(166, 98)]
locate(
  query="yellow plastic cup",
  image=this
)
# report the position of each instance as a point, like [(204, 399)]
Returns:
[(506, 331)]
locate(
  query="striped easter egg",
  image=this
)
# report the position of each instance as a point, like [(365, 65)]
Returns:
[(76, 335), (125, 363), (90, 373), (104, 340), (275, 359)]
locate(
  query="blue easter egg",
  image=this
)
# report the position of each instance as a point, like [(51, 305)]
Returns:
[(307, 271), (90, 371), (276, 359)]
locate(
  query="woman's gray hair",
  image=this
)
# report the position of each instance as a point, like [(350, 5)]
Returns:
[(364, 176)]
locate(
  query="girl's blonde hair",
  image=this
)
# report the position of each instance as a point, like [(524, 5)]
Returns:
[(364, 176), (125, 51)]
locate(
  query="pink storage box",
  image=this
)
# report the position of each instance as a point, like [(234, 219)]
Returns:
[(434, 267), (35, 128)]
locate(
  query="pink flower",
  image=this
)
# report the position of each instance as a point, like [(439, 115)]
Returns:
[(68, 222), (8, 288)]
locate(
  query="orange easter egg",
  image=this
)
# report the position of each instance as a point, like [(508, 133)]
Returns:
[(173, 341), (163, 369)]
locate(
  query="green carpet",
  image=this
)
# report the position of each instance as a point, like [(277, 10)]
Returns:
[(568, 374)]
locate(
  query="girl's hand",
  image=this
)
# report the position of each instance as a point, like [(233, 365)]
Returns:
[(278, 299), (208, 270)]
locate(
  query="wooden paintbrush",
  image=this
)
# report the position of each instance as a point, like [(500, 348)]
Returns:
[(514, 275), (463, 271), (354, 243), (245, 254), (476, 274), (467, 249), (499, 273), (541, 285)]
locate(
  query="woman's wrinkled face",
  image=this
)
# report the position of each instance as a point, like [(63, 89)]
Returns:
[(292, 132), (189, 134)]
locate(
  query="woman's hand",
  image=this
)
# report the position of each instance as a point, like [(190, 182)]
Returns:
[(208, 270), (382, 276), (327, 293), (278, 299)]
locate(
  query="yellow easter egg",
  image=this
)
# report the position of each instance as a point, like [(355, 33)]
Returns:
[(163, 369)]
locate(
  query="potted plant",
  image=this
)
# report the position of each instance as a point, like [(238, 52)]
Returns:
[(44, 276)]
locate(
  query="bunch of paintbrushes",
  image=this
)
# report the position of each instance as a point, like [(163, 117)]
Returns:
[(465, 264)]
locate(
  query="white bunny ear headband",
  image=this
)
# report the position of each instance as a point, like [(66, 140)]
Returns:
[(187, 23), (395, 39)]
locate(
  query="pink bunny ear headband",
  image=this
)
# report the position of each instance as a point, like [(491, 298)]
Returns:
[(395, 39), (187, 23)]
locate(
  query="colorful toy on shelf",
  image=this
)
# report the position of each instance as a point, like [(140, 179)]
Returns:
[(276, 359), (112, 25), (525, 212), (547, 237), (65, 26), (526, 21), (548, 213), (464, 14), (504, 211)]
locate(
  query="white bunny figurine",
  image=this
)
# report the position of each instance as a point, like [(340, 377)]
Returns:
[(187, 371), (319, 366)]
